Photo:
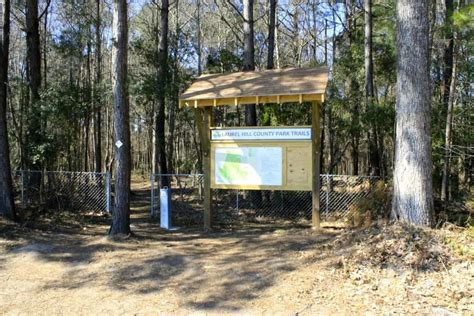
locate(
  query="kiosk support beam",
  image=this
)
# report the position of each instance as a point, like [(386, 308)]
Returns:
[(204, 122), (316, 147)]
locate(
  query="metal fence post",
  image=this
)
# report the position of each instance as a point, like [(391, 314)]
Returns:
[(328, 187), (108, 192), (152, 190)]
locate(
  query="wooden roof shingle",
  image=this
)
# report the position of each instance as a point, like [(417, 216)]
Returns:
[(267, 86)]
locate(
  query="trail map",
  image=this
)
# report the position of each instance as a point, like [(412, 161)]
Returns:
[(248, 165)]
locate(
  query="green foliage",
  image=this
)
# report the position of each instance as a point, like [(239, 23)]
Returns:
[(463, 19), (68, 105), (66, 108), (222, 61), (288, 114)]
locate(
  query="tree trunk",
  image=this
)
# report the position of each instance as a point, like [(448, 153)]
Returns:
[(326, 42), (7, 205), (97, 90), (88, 97), (277, 42), (314, 9), (34, 76), (354, 170), (296, 35), (271, 35), (447, 140), (328, 112), (412, 179), (121, 212), (45, 48), (161, 163), (369, 64), (199, 34), (353, 93), (438, 44), (249, 57), (33, 49), (249, 65), (448, 53), (330, 139), (374, 159), (173, 106)]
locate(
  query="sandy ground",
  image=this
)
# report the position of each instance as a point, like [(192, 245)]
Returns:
[(73, 269)]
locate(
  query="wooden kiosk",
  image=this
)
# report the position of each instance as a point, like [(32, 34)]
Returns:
[(297, 148)]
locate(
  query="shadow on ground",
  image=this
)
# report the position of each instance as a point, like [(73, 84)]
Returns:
[(206, 270)]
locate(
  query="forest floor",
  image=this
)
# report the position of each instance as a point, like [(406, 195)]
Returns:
[(66, 265)]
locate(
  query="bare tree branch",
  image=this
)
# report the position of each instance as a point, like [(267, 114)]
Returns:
[(48, 3), (236, 8)]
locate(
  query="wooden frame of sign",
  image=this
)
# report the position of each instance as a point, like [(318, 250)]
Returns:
[(296, 165)]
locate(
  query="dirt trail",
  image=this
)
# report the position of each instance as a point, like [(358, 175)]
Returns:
[(75, 269)]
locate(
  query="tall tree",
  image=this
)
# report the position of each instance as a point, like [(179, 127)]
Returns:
[(448, 135), (448, 51), (374, 160), (160, 150), (121, 212), (97, 89), (249, 65), (314, 9), (199, 36), (368, 60), (328, 113), (412, 179), (249, 56), (448, 90), (271, 34), (33, 49), (174, 91), (34, 78), (7, 205), (353, 90)]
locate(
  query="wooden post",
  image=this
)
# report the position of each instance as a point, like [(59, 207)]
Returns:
[(204, 122), (316, 143), (207, 168)]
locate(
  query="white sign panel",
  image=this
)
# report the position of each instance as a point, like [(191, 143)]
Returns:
[(248, 165), (296, 133)]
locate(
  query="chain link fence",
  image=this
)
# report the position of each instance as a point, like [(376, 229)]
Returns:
[(338, 193), (63, 190)]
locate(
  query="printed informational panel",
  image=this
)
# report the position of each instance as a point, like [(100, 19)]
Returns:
[(262, 166)]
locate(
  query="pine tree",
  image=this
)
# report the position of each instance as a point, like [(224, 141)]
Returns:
[(7, 205), (121, 212), (412, 179)]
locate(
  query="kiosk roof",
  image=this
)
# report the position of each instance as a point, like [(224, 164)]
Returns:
[(256, 87)]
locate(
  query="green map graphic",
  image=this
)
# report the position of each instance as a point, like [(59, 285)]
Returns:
[(248, 165), (232, 168)]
